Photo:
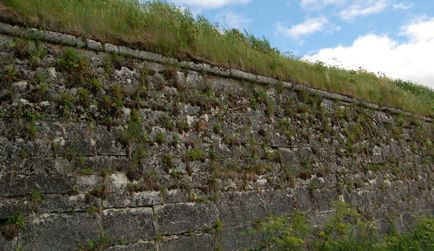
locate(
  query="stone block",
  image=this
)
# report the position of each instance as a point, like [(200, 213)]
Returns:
[(131, 225), (59, 231), (240, 207), (185, 217), (20, 185)]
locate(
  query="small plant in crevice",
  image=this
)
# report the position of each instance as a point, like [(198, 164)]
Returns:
[(263, 97), (102, 243), (134, 136), (66, 102), (312, 186), (167, 123), (27, 119), (84, 97), (36, 196), (212, 153), (160, 138), (168, 161), (10, 73), (21, 48), (75, 64), (99, 192), (182, 125), (92, 209), (113, 61), (87, 171), (10, 227), (217, 128), (195, 154), (95, 85)]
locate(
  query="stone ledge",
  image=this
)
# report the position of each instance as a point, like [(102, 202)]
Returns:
[(73, 41)]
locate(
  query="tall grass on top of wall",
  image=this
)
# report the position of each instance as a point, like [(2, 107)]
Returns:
[(164, 28)]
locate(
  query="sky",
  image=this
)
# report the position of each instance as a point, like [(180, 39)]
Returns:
[(388, 37)]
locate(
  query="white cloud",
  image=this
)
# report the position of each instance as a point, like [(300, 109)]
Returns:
[(364, 8), (308, 27), (233, 20), (420, 30), (209, 4), (403, 6), (318, 4), (410, 60)]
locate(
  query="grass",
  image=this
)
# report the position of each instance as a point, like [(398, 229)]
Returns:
[(166, 29)]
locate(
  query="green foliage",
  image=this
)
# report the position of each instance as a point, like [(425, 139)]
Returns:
[(10, 73), (345, 230), (102, 244), (95, 85), (420, 238), (84, 97), (66, 102), (31, 118), (282, 232), (160, 138), (93, 209), (195, 154), (218, 226), (134, 133), (87, 171), (164, 28), (73, 62), (36, 196), (17, 219), (169, 161), (135, 138)]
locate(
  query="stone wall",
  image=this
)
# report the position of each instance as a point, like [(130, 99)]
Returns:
[(106, 146)]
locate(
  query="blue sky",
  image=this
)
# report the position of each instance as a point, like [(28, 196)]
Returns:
[(391, 37)]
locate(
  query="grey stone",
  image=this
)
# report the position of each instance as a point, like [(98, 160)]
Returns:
[(140, 246), (191, 243), (267, 80), (192, 66), (185, 217), (240, 207), (111, 48), (242, 75), (59, 38), (93, 45), (130, 224), (20, 185), (237, 238), (59, 231), (20, 85), (216, 70)]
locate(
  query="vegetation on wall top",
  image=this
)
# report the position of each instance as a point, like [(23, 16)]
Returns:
[(164, 28)]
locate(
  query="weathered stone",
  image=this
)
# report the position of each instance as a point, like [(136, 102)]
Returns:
[(20, 85), (140, 246), (93, 45), (192, 243), (242, 75), (238, 208), (20, 185), (59, 231), (185, 217), (129, 225)]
